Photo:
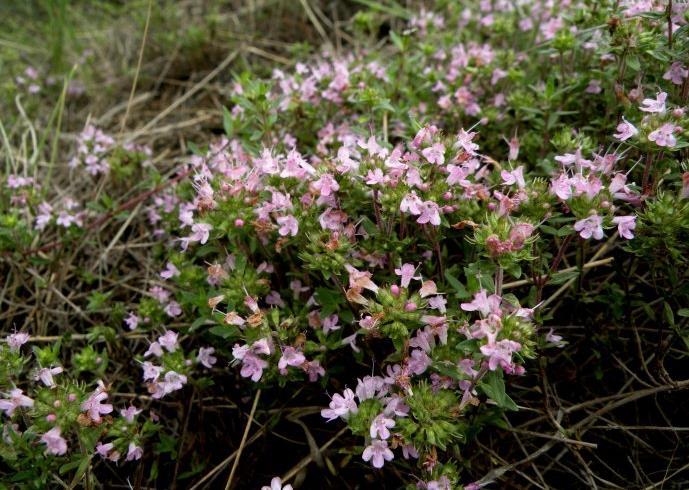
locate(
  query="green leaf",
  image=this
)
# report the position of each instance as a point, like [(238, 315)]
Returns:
[(563, 277), (460, 291), (224, 331), (494, 387), (398, 41), (227, 122)]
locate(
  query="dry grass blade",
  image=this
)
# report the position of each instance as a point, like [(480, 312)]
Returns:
[(228, 485), (138, 67), (309, 459), (196, 88)]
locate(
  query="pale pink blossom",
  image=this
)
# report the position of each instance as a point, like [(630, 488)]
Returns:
[(625, 226), (676, 73), (290, 357), (94, 405), (14, 400), (276, 484), (590, 227), (664, 135), (134, 452), (625, 130), (380, 426), (656, 105), (406, 273), (55, 443), (288, 225), (378, 452), (16, 340), (340, 406), (206, 357)]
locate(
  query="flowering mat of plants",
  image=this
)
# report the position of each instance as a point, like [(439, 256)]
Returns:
[(423, 245)]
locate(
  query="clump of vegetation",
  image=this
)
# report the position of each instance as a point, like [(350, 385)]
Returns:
[(438, 229)]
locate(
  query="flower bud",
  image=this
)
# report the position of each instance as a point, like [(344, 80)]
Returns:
[(395, 290)]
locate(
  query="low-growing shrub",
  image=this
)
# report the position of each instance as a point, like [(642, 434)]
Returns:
[(387, 228)]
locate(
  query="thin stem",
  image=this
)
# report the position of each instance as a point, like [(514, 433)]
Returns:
[(243, 441)]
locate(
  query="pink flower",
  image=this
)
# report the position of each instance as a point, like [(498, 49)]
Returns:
[(132, 320), (498, 74), (15, 400), (103, 449), (428, 288), (55, 443), (94, 407), (625, 130), (160, 294), (561, 187), (170, 271), (314, 370), (664, 135), (500, 354), (340, 406), (154, 349), (200, 232), (326, 185), (129, 413), (435, 154), (554, 339), (168, 340), (151, 371), (594, 87), (373, 148), (360, 279), (411, 203), (513, 145), (575, 158), (484, 304), (406, 272), (16, 340), (409, 451), (173, 309), (370, 387), (654, 105), (625, 226), (252, 366), (172, 381), (288, 225), (290, 357), (378, 452), (46, 375), (380, 426), (438, 303), (206, 356), (515, 176), (590, 227), (134, 452), (276, 484), (329, 324), (519, 233), (419, 361), (375, 177), (430, 213), (351, 341), (464, 141), (676, 73)]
